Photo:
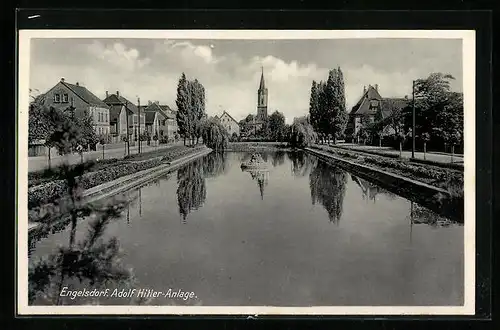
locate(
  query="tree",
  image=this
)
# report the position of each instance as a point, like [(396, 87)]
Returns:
[(277, 126), (438, 111), (302, 134), (183, 105), (314, 106), (214, 134), (94, 261)]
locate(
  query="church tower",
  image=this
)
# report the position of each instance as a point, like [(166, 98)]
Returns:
[(262, 99)]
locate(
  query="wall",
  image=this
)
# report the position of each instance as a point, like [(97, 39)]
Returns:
[(100, 116)]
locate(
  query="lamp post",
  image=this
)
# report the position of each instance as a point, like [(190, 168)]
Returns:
[(413, 120), (128, 136), (139, 120)]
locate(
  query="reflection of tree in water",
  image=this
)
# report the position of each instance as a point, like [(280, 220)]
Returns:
[(370, 190), (302, 163), (94, 261), (262, 178), (422, 215), (278, 158), (328, 185), (215, 164), (191, 189)]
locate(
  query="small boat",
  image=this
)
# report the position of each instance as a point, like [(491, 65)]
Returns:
[(255, 162)]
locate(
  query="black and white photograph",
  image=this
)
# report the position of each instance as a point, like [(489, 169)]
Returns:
[(246, 172)]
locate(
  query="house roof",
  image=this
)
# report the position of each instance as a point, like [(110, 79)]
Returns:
[(225, 112), (114, 112), (388, 105), (150, 116), (164, 110), (363, 105), (85, 94), (114, 99)]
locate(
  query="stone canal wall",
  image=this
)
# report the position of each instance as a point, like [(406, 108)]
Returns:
[(437, 199)]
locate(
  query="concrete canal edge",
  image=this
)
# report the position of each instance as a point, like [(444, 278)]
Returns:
[(127, 182), (401, 184)]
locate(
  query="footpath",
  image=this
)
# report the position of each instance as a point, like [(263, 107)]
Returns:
[(439, 157)]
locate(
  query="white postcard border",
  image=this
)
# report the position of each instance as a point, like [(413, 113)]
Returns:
[(468, 44)]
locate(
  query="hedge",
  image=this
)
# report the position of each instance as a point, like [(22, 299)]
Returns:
[(48, 175)]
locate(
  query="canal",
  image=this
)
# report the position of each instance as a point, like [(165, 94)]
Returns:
[(304, 233)]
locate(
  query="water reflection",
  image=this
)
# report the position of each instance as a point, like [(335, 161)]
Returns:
[(93, 261), (191, 189), (262, 178), (278, 158), (370, 190), (215, 164), (328, 186), (301, 163)]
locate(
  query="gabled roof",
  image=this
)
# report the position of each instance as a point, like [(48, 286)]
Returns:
[(164, 110), (225, 112), (114, 112), (150, 116), (113, 99), (388, 105), (84, 94), (363, 105)]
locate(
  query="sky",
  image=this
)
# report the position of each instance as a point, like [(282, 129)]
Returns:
[(230, 69)]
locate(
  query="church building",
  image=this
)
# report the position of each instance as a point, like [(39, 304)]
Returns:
[(262, 99)]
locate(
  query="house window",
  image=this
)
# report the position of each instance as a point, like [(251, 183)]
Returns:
[(57, 98), (135, 119), (373, 103), (65, 98), (106, 117)]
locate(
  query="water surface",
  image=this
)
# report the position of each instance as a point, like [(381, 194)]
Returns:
[(304, 233)]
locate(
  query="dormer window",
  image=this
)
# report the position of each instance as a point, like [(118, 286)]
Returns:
[(65, 98), (57, 98), (373, 103)]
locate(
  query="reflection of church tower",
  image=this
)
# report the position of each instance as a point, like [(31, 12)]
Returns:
[(262, 99), (262, 179)]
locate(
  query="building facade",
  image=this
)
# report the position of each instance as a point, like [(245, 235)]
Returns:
[(65, 95), (166, 126), (372, 107), (229, 123), (120, 108)]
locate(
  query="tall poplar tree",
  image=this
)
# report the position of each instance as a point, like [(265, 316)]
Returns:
[(183, 105), (314, 110)]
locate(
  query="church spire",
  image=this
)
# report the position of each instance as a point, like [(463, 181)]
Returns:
[(262, 83)]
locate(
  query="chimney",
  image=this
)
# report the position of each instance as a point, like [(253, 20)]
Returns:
[(376, 87), (62, 79), (118, 93), (149, 102), (77, 83), (406, 97), (107, 94), (364, 89)]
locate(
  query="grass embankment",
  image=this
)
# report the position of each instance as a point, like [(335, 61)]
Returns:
[(46, 188), (448, 179), (456, 166), (253, 146)]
